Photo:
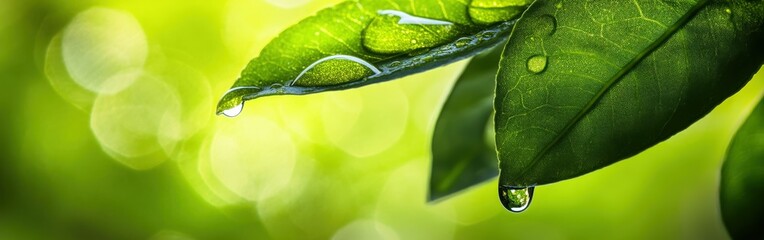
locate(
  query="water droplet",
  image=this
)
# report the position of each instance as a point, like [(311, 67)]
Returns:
[(334, 70), (549, 24), (395, 64), (487, 35), (491, 11), (277, 85), (537, 64), (516, 199), (406, 18), (418, 52), (395, 32), (234, 111), (463, 42)]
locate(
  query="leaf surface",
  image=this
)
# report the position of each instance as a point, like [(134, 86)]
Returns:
[(463, 151), (357, 43), (584, 84), (742, 180)]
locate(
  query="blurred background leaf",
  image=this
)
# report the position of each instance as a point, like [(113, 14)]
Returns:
[(463, 147), (71, 171), (742, 179)]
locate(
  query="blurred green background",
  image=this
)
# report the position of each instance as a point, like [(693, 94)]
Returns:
[(108, 133)]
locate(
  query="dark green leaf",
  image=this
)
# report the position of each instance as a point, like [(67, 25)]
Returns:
[(357, 43), (742, 184), (584, 84), (463, 151)]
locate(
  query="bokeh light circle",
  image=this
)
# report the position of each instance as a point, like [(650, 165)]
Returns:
[(61, 81), (365, 122), (127, 124), (99, 43), (287, 4), (253, 156), (365, 229), (402, 205), (194, 96)]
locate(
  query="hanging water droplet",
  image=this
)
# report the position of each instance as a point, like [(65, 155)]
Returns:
[(536, 64), (395, 32), (234, 111), (334, 70), (232, 102), (516, 199), (491, 11)]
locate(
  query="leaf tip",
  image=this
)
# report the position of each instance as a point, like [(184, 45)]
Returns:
[(232, 102)]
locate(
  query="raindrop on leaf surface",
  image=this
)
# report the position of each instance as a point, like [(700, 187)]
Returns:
[(537, 64), (493, 11), (463, 42), (394, 32), (333, 70)]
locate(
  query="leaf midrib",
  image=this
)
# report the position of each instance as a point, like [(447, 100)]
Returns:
[(678, 25)]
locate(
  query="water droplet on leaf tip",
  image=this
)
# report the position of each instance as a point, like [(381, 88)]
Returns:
[(234, 111), (537, 64), (516, 199)]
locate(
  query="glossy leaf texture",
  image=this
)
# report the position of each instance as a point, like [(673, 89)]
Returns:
[(357, 43), (463, 147), (584, 84), (742, 180)]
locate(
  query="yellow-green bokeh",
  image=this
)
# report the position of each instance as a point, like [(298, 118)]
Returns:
[(151, 161)]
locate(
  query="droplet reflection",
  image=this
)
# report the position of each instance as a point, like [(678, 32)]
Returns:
[(235, 111), (516, 199)]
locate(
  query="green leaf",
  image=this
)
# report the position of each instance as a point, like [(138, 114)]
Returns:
[(584, 84), (463, 151), (361, 42), (742, 180)]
